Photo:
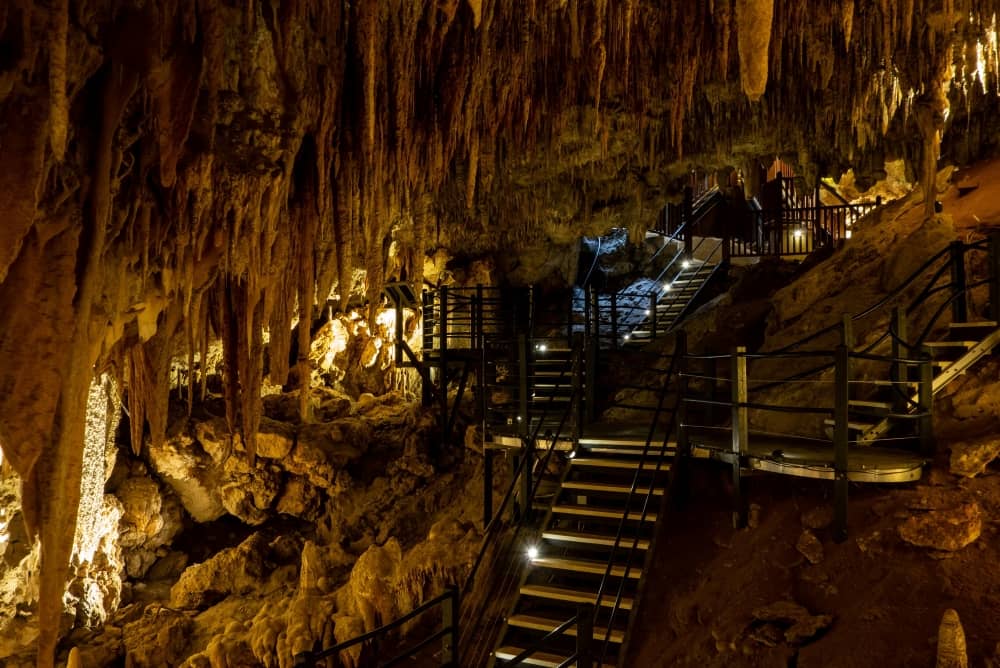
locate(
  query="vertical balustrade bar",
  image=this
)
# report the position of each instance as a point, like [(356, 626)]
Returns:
[(478, 333), (449, 620), (841, 400), (569, 319), (688, 222), (614, 320), (680, 484), (585, 636), (926, 401), (741, 426), (960, 305), (523, 428), (900, 350), (652, 312)]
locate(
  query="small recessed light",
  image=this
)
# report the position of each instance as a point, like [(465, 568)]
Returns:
[(532, 553)]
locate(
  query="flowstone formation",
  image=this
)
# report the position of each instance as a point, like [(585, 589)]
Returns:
[(177, 174)]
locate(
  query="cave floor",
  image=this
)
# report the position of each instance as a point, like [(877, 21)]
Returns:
[(886, 597)]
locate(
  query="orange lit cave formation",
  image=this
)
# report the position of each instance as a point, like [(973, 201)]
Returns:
[(203, 203)]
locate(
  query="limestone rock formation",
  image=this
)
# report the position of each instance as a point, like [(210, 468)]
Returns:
[(970, 458), (798, 623), (951, 652), (946, 530), (809, 547), (177, 174)]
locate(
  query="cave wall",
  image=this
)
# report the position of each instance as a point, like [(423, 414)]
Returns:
[(179, 172)]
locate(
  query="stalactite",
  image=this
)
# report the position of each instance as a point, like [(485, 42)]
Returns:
[(753, 20), (59, 115)]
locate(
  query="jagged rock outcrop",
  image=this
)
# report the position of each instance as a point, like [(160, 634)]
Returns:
[(946, 529)]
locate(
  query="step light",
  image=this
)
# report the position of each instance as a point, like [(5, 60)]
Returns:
[(797, 233), (685, 264), (627, 336), (666, 287), (647, 311), (541, 347), (532, 553)]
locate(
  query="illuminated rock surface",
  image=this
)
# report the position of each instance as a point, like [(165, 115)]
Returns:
[(179, 175)]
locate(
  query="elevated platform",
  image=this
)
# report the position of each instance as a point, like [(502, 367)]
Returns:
[(784, 455), (809, 458)]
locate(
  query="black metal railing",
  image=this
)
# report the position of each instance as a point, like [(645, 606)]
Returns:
[(582, 626), (658, 457), (948, 281), (746, 397), (447, 635), (505, 539)]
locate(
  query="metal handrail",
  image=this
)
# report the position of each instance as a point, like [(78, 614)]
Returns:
[(645, 507), (306, 659)]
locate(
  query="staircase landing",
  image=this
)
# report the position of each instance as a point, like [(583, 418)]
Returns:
[(808, 458)]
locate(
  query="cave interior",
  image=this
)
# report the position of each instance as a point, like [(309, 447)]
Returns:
[(601, 332)]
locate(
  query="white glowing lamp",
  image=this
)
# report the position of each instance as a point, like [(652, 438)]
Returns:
[(532, 553)]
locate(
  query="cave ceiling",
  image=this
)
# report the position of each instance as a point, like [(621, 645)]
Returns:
[(176, 171)]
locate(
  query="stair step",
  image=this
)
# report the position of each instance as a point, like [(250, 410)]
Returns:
[(871, 405), (543, 659), (593, 539), (598, 462), (587, 566), (547, 624), (853, 424), (585, 486), (573, 596), (985, 324), (598, 511), (634, 442), (625, 450)]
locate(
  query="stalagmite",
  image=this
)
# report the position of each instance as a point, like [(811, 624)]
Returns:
[(951, 652)]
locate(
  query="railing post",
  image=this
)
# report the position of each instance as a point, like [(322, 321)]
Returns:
[(994, 273), (818, 212), (680, 471), (741, 426), (577, 406), (847, 330), (478, 333), (398, 325), (779, 234), (487, 485), (688, 222), (449, 620), (926, 399), (900, 350), (652, 311), (443, 320), (960, 305), (569, 319), (590, 381), (842, 362), (528, 444), (614, 320), (585, 636), (522, 385)]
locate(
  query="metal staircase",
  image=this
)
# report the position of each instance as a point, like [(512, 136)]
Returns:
[(964, 344), (594, 545)]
